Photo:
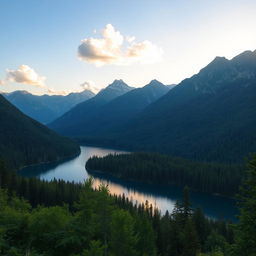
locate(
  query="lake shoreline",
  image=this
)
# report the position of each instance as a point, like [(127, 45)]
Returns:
[(59, 160), (90, 171), (164, 197)]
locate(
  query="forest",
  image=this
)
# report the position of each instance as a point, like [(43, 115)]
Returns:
[(156, 168), (59, 218), (24, 141)]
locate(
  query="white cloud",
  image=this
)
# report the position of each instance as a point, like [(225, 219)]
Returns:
[(113, 49), (2, 82), (144, 52), (89, 85), (130, 39), (25, 75)]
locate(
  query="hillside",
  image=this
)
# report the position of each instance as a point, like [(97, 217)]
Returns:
[(121, 109), (24, 141), (74, 121), (210, 116)]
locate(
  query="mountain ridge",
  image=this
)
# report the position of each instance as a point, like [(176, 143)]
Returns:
[(45, 108), (83, 111), (205, 117), (121, 109)]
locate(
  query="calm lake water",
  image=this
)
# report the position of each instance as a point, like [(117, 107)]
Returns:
[(163, 197)]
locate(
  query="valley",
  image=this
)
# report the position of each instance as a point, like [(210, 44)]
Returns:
[(128, 128), (162, 197)]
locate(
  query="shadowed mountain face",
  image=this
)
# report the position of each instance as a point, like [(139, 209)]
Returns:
[(74, 121), (24, 141), (119, 111), (46, 108), (210, 116)]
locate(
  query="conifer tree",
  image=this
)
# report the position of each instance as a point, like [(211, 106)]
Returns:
[(246, 229), (123, 239)]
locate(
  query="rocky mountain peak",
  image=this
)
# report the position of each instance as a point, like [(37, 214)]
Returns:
[(154, 83)]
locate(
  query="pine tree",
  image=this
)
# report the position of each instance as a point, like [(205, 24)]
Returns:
[(123, 239), (96, 249), (187, 211), (201, 225), (104, 208), (146, 237), (190, 243), (246, 229)]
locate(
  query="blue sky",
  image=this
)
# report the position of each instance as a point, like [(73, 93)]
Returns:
[(45, 36)]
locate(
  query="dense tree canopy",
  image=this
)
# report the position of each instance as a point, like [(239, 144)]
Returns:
[(60, 218), (163, 169), (246, 229)]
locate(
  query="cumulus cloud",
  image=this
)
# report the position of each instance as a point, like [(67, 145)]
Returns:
[(114, 48), (130, 39), (25, 75), (89, 85), (144, 52)]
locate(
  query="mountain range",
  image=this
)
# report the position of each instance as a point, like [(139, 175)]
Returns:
[(76, 120), (46, 108), (24, 141), (109, 113), (210, 116)]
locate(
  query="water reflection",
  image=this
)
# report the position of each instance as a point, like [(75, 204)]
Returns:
[(71, 170), (164, 197), (136, 195)]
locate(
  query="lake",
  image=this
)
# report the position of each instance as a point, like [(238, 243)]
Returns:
[(163, 197)]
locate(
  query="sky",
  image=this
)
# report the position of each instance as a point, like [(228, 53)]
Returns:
[(61, 46)]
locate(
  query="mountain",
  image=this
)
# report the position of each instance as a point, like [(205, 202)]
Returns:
[(112, 91), (210, 116), (24, 141), (46, 108), (171, 86), (121, 109), (73, 121)]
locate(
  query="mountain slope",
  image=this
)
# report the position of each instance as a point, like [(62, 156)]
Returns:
[(210, 116), (24, 141), (74, 121), (46, 108), (118, 111)]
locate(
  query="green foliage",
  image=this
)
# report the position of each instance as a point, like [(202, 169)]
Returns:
[(189, 239), (211, 254), (77, 220), (146, 236), (46, 225), (215, 242), (246, 229), (123, 239), (163, 169), (96, 249)]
